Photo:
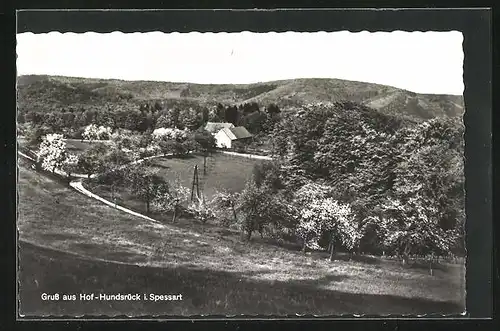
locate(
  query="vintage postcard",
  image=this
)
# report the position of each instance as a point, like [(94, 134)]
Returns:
[(240, 174)]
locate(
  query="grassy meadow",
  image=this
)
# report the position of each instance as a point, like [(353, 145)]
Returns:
[(224, 172), (72, 244), (76, 146)]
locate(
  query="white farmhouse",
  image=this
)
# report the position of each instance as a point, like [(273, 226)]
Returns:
[(226, 137)]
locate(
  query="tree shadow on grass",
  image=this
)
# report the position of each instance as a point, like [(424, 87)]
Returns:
[(424, 265), (291, 246), (160, 165), (357, 258), (204, 291), (314, 283), (51, 236), (307, 283), (183, 156)]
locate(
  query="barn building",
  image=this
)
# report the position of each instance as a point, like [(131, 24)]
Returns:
[(227, 137)]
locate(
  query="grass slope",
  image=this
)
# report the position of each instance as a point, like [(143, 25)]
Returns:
[(208, 292), (44, 91), (71, 244)]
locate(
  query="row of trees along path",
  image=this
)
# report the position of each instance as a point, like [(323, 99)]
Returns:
[(57, 162)]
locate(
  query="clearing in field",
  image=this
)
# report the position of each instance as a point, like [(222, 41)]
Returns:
[(77, 147), (70, 243), (74, 146), (223, 172)]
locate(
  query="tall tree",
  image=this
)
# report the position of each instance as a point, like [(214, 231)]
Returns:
[(231, 115), (255, 122), (146, 121), (165, 121), (268, 173), (173, 199), (223, 201), (191, 118), (205, 114), (70, 165), (205, 142), (272, 109), (220, 113), (133, 120), (318, 213), (145, 183), (175, 114), (91, 161), (260, 209)]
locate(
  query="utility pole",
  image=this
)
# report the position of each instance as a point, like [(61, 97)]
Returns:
[(196, 183)]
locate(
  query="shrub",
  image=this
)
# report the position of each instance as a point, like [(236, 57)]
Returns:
[(94, 132), (201, 211)]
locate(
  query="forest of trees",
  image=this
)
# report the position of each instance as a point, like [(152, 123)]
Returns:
[(147, 116), (344, 176), (396, 186)]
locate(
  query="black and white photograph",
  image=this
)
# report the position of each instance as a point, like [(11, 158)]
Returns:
[(240, 173)]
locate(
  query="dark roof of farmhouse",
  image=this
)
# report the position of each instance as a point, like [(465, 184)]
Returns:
[(214, 127), (240, 132), (236, 133)]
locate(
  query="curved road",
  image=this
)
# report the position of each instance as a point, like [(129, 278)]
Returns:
[(77, 185)]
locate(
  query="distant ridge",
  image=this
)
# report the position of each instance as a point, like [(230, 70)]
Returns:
[(45, 91)]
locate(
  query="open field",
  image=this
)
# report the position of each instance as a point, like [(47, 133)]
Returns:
[(77, 147), (90, 248), (73, 145), (224, 172)]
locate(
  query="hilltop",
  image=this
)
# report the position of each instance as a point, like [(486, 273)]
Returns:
[(45, 92)]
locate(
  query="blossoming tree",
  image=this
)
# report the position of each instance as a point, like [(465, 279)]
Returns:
[(319, 213), (170, 133), (172, 140), (52, 152), (94, 132), (223, 201), (171, 199), (414, 229), (201, 210)]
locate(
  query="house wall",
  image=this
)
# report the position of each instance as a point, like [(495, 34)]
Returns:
[(222, 140)]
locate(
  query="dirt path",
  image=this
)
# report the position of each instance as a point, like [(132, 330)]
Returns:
[(58, 171), (78, 186), (250, 156)]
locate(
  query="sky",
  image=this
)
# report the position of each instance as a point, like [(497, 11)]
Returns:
[(422, 62)]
